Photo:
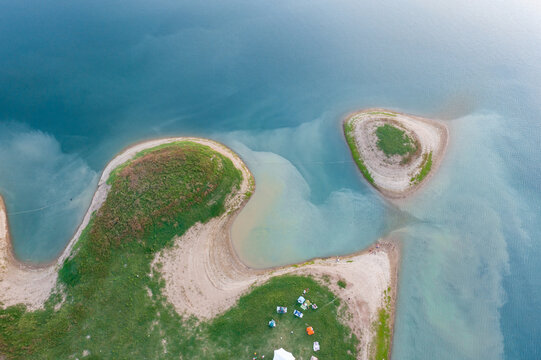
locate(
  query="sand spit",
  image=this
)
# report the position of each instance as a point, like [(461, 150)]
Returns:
[(20, 283), (391, 176), (32, 285)]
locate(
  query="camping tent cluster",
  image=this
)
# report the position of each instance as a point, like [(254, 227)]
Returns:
[(304, 303)]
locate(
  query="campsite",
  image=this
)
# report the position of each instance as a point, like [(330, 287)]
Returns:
[(250, 321)]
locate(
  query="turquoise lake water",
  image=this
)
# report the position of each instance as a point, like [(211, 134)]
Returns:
[(81, 81)]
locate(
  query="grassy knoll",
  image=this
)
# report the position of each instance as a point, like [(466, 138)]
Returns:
[(114, 309), (426, 165), (394, 141), (382, 326), (242, 330), (350, 139)]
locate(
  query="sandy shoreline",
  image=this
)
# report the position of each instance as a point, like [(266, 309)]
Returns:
[(391, 178), (19, 282), (202, 272), (204, 277)]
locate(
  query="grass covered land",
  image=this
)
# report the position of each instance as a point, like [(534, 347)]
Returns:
[(109, 306), (382, 341), (350, 139), (394, 141), (242, 330), (426, 165), (382, 113)]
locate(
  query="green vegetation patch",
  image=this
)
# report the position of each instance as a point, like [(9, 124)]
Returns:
[(382, 113), (382, 326), (113, 308), (426, 165), (243, 330), (350, 139), (394, 141)]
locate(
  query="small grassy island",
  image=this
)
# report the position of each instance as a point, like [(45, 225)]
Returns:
[(395, 152), (109, 301)]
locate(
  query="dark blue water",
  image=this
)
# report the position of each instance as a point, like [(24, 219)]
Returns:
[(80, 81)]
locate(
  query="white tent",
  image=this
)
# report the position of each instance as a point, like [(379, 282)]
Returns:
[(281, 354)]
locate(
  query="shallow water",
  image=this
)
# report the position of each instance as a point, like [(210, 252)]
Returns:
[(78, 82)]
